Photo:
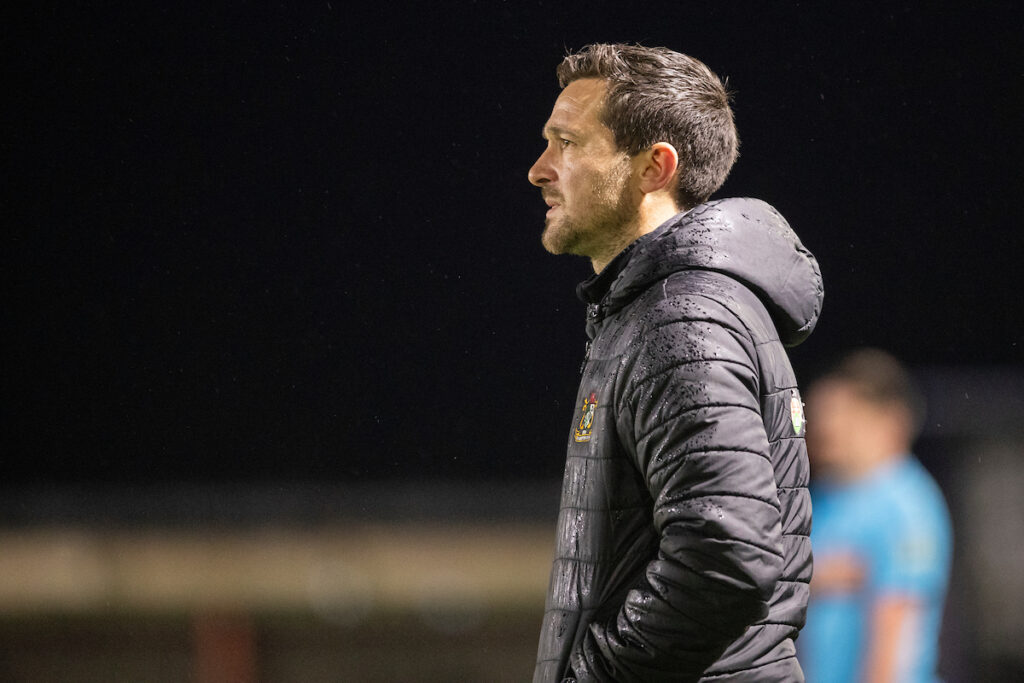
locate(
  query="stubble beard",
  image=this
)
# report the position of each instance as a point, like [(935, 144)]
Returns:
[(610, 213)]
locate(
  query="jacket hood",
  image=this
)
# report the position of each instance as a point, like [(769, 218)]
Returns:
[(744, 238)]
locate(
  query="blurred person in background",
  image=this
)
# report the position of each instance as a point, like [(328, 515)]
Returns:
[(683, 549), (881, 536)]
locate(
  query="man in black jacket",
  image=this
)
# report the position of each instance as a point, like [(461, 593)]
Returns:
[(682, 545)]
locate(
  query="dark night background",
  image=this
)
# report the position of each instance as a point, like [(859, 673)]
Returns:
[(265, 243)]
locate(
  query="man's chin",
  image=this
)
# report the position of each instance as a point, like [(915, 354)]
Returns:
[(551, 246), (557, 239)]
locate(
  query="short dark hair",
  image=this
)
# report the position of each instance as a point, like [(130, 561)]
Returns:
[(659, 95), (878, 377)]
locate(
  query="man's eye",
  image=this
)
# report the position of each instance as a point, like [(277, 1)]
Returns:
[(564, 143)]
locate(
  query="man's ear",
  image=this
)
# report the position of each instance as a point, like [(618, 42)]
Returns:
[(659, 166)]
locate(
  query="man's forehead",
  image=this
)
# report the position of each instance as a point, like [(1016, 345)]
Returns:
[(581, 95), (578, 102)]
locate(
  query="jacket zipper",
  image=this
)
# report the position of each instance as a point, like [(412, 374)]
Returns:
[(586, 358), (593, 312)]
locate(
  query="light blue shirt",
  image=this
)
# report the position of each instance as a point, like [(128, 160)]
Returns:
[(894, 526)]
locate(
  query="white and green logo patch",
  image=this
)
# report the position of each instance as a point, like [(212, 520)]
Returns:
[(796, 413)]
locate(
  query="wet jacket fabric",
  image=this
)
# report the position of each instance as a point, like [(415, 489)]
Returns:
[(682, 549)]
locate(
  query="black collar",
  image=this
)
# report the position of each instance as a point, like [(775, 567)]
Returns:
[(593, 289)]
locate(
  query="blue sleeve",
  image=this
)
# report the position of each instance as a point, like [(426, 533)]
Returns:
[(910, 553)]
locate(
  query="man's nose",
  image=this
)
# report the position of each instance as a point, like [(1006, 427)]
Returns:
[(541, 172)]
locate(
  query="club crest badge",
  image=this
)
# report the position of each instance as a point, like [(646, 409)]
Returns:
[(796, 413), (586, 424)]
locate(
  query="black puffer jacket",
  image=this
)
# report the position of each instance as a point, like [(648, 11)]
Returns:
[(682, 550)]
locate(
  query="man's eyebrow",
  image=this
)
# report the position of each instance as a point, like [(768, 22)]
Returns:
[(556, 131)]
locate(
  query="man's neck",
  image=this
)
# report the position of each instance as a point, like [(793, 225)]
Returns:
[(650, 215), (625, 238)]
